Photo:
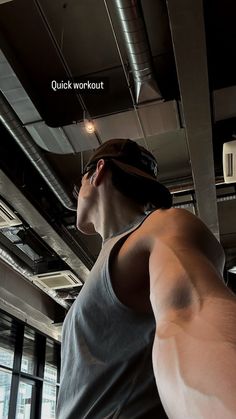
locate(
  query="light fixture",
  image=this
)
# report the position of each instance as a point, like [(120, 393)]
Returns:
[(88, 124), (229, 161), (233, 270)]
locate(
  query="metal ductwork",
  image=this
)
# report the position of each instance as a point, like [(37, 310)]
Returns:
[(136, 41), (47, 233), (19, 267), (11, 121)]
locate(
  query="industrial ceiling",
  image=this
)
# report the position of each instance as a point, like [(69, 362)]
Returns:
[(169, 73)]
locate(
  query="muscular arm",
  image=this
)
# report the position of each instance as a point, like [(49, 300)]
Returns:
[(194, 352)]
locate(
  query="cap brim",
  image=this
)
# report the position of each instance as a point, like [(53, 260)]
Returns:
[(134, 171)]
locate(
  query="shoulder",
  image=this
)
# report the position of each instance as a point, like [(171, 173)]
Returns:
[(178, 228), (172, 221), (161, 225)]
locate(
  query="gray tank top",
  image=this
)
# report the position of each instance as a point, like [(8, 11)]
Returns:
[(106, 358)]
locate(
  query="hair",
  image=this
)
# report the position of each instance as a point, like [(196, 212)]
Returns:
[(133, 187)]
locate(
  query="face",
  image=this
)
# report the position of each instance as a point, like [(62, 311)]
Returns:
[(86, 206)]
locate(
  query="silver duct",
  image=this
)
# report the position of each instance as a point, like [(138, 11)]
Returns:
[(47, 233), (15, 264), (136, 42), (11, 121)]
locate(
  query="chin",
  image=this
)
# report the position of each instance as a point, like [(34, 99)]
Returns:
[(86, 228)]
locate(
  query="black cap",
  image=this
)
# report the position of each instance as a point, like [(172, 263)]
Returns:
[(135, 160)]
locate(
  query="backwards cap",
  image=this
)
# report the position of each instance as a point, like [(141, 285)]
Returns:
[(134, 160)]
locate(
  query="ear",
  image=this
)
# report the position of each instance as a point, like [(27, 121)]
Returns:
[(99, 174)]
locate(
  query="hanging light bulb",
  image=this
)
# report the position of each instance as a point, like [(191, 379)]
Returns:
[(88, 124)]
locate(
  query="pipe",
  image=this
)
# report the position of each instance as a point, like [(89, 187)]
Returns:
[(13, 124), (136, 41)]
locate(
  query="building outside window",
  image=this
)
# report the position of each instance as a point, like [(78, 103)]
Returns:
[(29, 371), (51, 378), (5, 389)]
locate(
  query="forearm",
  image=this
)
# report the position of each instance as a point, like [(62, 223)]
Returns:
[(195, 363)]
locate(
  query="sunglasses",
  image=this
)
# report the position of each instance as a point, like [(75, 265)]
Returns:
[(76, 188)]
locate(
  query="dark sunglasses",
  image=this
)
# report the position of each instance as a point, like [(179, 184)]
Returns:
[(75, 191), (87, 169)]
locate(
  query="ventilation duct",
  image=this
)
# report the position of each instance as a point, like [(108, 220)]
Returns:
[(18, 266), (13, 262), (11, 121), (7, 217), (136, 42), (57, 280), (43, 228)]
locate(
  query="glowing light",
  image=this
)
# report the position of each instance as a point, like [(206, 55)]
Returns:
[(89, 126)]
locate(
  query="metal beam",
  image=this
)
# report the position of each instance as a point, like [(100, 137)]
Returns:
[(188, 37)]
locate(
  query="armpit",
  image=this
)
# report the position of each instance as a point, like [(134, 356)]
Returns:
[(179, 307), (180, 304), (180, 297)]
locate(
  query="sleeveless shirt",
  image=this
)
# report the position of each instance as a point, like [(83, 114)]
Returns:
[(106, 357)]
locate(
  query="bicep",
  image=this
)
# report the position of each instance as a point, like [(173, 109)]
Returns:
[(179, 278)]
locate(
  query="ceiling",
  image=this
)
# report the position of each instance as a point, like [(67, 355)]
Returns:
[(170, 84)]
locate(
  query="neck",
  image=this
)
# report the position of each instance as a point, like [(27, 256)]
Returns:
[(115, 213)]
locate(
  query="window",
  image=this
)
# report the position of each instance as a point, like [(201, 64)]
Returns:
[(7, 348), (49, 401), (5, 389), (51, 362), (28, 362), (25, 400), (29, 371), (7, 341), (51, 377)]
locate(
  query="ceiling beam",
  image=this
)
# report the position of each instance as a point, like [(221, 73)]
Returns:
[(188, 37)]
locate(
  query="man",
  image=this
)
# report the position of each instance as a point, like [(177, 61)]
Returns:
[(154, 305)]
